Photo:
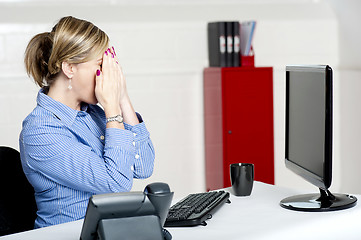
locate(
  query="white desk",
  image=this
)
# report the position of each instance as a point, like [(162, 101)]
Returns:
[(258, 216)]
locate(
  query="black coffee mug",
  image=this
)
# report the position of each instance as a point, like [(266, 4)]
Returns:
[(242, 175)]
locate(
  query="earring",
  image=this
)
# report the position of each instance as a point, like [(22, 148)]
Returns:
[(69, 86)]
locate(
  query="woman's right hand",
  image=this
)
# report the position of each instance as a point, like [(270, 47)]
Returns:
[(110, 84)]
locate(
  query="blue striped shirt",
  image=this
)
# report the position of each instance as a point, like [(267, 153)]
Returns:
[(69, 155)]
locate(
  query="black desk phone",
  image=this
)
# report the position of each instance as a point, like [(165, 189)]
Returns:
[(129, 215)]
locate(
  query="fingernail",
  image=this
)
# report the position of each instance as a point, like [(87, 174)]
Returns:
[(106, 53), (112, 55), (114, 51), (98, 72), (109, 50)]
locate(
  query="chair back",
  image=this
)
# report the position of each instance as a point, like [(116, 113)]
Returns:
[(17, 201)]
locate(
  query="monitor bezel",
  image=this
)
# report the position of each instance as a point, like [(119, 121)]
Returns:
[(322, 182)]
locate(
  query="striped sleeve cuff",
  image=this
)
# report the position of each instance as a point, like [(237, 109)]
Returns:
[(115, 137), (139, 131)]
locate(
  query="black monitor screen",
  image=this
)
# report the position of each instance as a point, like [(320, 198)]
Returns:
[(309, 123), (306, 120), (308, 140)]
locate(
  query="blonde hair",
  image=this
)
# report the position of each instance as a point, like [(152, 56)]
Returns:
[(71, 40)]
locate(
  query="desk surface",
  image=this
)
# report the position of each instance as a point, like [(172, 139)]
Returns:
[(258, 216)]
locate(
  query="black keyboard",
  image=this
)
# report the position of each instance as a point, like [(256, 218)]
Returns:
[(195, 209)]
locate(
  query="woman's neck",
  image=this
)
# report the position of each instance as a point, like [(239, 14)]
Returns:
[(60, 92)]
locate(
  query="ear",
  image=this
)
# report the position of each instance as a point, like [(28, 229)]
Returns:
[(68, 69)]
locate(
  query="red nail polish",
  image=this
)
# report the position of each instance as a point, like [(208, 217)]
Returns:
[(112, 55), (106, 53), (114, 51), (98, 72)]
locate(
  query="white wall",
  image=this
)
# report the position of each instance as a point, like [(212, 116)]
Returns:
[(162, 46), (348, 15)]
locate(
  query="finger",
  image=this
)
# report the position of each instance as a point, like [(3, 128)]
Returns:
[(106, 61), (98, 73), (110, 66), (110, 70), (111, 55), (98, 78), (113, 51), (114, 55)]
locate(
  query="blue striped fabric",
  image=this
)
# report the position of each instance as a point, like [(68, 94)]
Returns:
[(70, 155)]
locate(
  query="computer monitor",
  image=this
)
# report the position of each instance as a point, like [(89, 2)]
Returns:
[(308, 145)]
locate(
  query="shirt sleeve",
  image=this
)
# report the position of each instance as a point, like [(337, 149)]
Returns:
[(144, 150), (54, 152)]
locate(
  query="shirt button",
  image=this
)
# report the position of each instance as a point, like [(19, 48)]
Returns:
[(134, 144), (132, 168), (102, 137), (136, 156), (134, 134)]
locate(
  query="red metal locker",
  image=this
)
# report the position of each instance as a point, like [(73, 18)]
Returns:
[(238, 108)]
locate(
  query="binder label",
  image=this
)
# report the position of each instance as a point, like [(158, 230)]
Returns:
[(236, 44), (222, 44), (229, 44)]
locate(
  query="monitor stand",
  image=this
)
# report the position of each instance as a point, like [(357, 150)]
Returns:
[(325, 201)]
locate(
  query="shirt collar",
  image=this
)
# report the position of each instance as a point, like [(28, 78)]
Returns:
[(61, 111)]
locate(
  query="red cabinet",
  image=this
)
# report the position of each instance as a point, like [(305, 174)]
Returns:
[(238, 113)]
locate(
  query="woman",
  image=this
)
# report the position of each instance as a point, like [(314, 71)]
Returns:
[(70, 147)]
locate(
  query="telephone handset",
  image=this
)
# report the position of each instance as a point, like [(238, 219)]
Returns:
[(160, 196)]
